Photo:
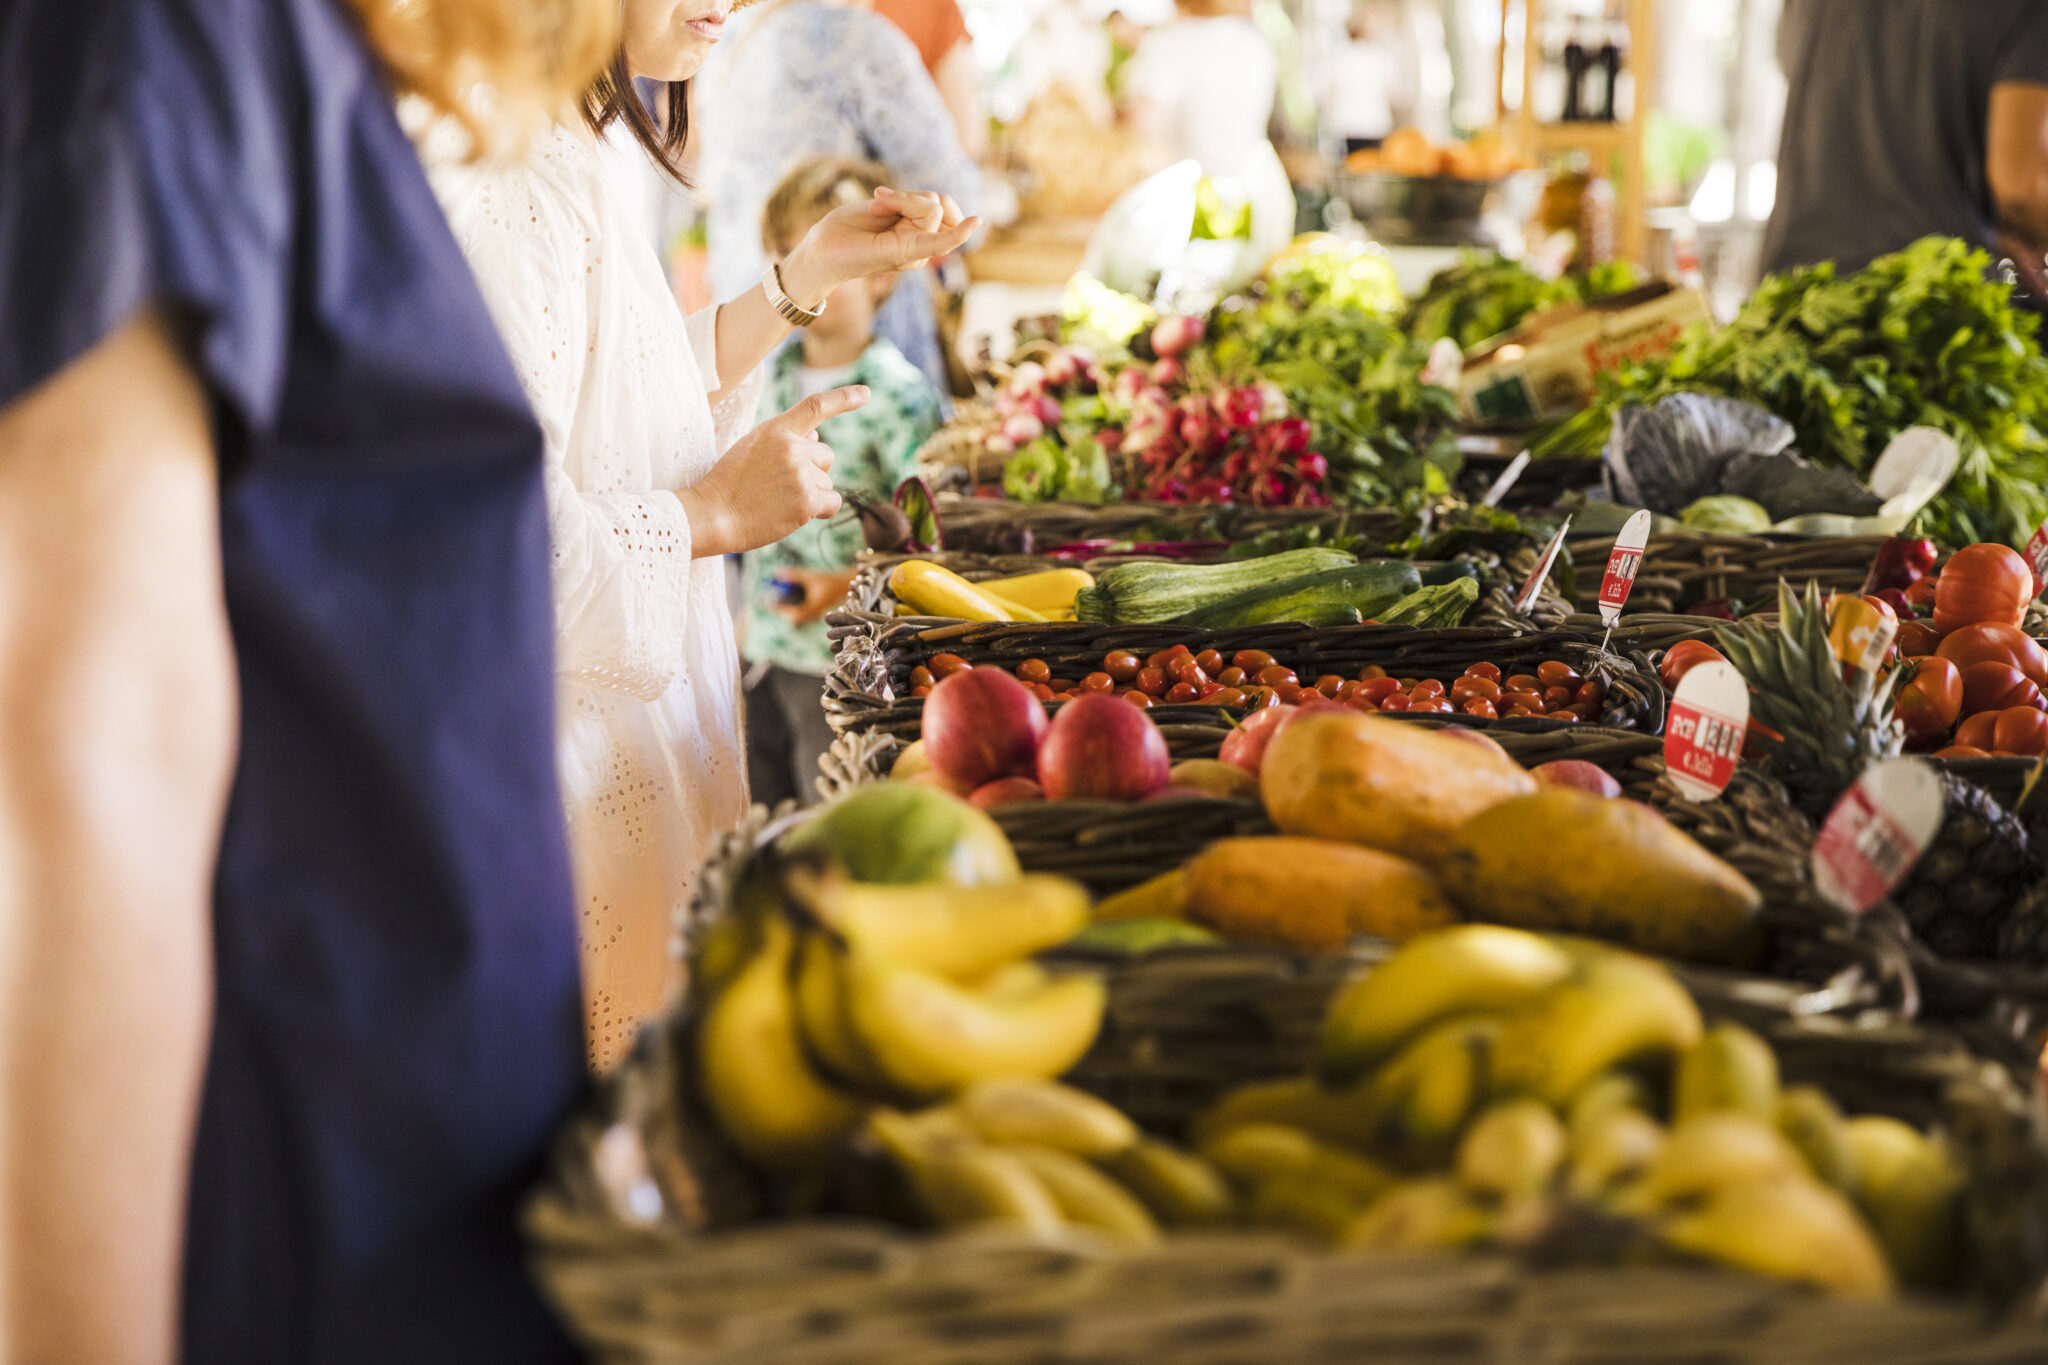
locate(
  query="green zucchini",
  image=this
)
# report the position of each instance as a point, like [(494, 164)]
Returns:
[(1157, 592), (1369, 588), (1450, 571), (1434, 608)]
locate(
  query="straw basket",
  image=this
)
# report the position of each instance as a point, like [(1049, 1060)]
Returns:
[(998, 526), (658, 1247), (1682, 569)]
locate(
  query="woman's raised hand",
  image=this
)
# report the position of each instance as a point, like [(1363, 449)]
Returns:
[(773, 480), (896, 230)]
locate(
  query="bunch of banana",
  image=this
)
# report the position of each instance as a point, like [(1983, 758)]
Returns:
[(869, 994), (1484, 1080), (1039, 1156)]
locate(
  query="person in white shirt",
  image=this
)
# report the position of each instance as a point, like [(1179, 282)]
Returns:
[(652, 477)]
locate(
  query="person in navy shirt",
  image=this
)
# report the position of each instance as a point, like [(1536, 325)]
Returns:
[(288, 978)]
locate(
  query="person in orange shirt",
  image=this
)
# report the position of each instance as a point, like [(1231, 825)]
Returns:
[(940, 32)]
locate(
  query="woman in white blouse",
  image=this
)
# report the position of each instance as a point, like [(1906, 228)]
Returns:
[(652, 477)]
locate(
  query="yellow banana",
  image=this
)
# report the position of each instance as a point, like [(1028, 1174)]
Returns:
[(930, 590), (1049, 591), (1302, 1201), (962, 932), (1473, 968), (1812, 1122), (1086, 1196), (1343, 1116), (1617, 1090), (1792, 1228), (1614, 1008), (962, 1185), (932, 1037), (1512, 1150), (1256, 1151), (1163, 897), (1424, 1096), (1912, 1194), (1011, 981), (909, 1137), (1717, 1150), (1181, 1189), (1728, 1068), (821, 1012), (1611, 1147), (768, 1102), (1026, 1111), (1420, 1215)]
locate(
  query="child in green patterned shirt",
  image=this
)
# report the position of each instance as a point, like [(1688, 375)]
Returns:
[(789, 586)]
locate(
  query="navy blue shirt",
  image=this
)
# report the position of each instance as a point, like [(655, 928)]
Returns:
[(398, 1021)]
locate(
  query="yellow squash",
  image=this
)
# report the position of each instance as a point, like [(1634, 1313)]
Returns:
[(931, 590), (1050, 591), (1311, 894)]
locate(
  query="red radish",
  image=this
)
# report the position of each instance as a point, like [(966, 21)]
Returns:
[(1062, 368), (1245, 747), (1173, 335), (1167, 373), (1101, 747), (1027, 379), (1130, 382), (1005, 791), (1022, 429), (1576, 772), (1239, 408), (980, 725)]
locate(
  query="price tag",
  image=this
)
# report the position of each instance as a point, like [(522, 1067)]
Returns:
[(1859, 633), (1533, 584), (1876, 832), (2037, 557), (1703, 734), (1623, 564), (1507, 480)]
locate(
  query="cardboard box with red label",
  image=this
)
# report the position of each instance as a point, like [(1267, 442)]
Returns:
[(1550, 365)]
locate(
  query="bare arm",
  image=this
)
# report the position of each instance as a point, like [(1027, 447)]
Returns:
[(2016, 162), (959, 81), (117, 707)]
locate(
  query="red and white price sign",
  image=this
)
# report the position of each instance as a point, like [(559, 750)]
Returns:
[(2037, 557), (1876, 832), (1533, 584), (1703, 734), (1623, 564)]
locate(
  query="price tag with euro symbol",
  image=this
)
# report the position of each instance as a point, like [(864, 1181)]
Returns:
[(1877, 832), (1703, 735)]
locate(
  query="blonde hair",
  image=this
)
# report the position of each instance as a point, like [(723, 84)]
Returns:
[(812, 190), (538, 57)]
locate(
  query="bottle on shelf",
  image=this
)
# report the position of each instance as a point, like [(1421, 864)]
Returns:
[(1577, 63), (1607, 74)]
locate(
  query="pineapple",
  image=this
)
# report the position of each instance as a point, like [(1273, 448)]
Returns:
[(1967, 892)]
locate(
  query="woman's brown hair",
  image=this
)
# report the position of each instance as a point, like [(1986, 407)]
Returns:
[(611, 99), (539, 57)]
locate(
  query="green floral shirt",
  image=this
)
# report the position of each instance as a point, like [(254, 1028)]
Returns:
[(874, 449)]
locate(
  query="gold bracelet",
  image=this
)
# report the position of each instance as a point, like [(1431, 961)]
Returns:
[(788, 309)]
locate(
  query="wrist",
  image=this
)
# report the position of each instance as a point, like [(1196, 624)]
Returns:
[(805, 279), (710, 525)]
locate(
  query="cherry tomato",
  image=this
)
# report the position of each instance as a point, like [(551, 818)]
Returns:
[(1585, 711), (946, 665), (1062, 684), (1188, 671), (1181, 693), (1040, 691), (1363, 705), (1522, 682), (1396, 701), (1252, 660), (1408, 684), (1034, 671), (1379, 689), (1490, 672), (1272, 675), (1121, 664), (1232, 676), (1557, 673), (1329, 684), (1426, 690), (1593, 692), (1289, 693), (1151, 681), (1557, 698), (1371, 672), (1569, 716), (1211, 662), (1511, 709), (1482, 708), (1469, 688), (1259, 698), (921, 677), (1226, 696), (1349, 690), (920, 691), (1532, 701), (1098, 682), (1164, 656), (1434, 705), (1209, 689), (1139, 700)]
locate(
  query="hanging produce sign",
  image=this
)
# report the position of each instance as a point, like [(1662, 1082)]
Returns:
[(1533, 584), (1876, 832), (1704, 732), (1860, 633), (1624, 562)]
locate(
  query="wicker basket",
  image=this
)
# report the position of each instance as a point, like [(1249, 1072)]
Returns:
[(869, 682), (997, 526), (1679, 570), (648, 1236)]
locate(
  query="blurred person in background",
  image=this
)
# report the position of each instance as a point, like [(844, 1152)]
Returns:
[(1910, 117), (287, 946), (655, 470), (790, 585), (1359, 80), (800, 79), (940, 32)]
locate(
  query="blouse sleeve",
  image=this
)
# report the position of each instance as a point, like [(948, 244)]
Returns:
[(735, 412), (903, 118), (621, 560)]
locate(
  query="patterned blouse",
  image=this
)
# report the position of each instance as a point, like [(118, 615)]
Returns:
[(804, 79), (874, 448)]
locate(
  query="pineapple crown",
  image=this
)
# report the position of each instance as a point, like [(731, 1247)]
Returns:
[(1833, 727)]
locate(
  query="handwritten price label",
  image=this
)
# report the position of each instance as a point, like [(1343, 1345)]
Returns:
[(1533, 584), (1623, 563), (2037, 557), (1703, 734), (1876, 833)]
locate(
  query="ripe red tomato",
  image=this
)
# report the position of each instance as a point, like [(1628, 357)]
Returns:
[(1120, 664), (1427, 689), (1977, 732), (1396, 701), (1683, 657), (1491, 672), (1995, 642), (1930, 699), (1471, 688), (2021, 730), (1983, 582), (1917, 638), (1994, 687), (1962, 751)]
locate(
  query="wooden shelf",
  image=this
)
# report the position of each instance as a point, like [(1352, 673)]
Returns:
[(1594, 136)]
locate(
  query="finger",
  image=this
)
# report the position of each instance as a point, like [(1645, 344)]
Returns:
[(950, 215), (932, 245), (827, 506), (805, 418), (820, 455), (923, 209)]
